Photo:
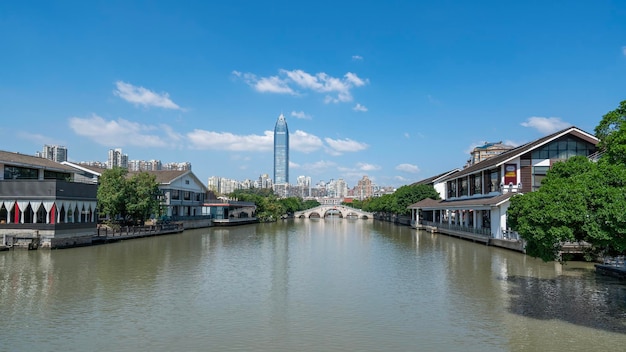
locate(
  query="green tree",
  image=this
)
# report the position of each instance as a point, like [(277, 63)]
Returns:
[(143, 198), (612, 134), (309, 203), (113, 193), (291, 204), (579, 200), (407, 195)]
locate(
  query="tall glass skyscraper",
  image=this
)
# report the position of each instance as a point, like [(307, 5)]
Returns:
[(281, 151)]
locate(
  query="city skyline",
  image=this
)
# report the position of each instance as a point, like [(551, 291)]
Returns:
[(399, 92)]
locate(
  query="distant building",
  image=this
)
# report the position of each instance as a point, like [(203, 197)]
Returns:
[(486, 151), (145, 165), (56, 153), (184, 166), (363, 189), (281, 152), (117, 159), (264, 181)]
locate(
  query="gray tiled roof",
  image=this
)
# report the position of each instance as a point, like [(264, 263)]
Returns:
[(515, 152), (456, 203), (23, 160)]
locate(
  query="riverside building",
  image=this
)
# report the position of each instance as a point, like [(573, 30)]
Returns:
[(474, 200)]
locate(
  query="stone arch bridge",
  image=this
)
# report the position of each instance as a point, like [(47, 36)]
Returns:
[(324, 210)]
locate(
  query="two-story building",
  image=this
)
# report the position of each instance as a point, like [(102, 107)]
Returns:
[(475, 199), (183, 197)]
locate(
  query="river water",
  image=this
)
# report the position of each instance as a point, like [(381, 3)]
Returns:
[(304, 285)]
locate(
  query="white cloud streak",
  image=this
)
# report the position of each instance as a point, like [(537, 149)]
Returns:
[(409, 168), (367, 167), (546, 125), (300, 115), (289, 82), (357, 58), (340, 146), (359, 107), (122, 132), (624, 50), (142, 96)]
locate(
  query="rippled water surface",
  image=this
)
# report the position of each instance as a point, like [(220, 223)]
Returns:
[(304, 285)]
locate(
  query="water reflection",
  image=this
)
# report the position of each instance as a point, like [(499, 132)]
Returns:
[(305, 285), (590, 301)]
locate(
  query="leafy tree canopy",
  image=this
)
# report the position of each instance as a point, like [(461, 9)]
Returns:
[(135, 198), (612, 134)]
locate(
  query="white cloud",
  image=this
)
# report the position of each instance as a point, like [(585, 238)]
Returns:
[(354, 79), (338, 146), (336, 89), (304, 142), (546, 125), (300, 115), (407, 135), (273, 84), (357, 58), (122, 132), (143, 96), (209, 140), (412, 169), (367, 167), (359, 107), (624, 50)]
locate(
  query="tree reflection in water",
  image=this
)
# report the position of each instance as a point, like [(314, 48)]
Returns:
[(592, 301)]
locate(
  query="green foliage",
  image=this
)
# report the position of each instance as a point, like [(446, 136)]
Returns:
[(134, 198), (144, 196), (310, 203), (397, 202), (113, 193), (612, 134), (579, 200)]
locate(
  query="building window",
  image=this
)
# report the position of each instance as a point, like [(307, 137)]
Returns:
[(52, 175), (451, 189), (475, 184), (563, 148), (494, 184), (463, 186), (20, 173), (186, 182), (539, 173), (175, 194), (187, 195)]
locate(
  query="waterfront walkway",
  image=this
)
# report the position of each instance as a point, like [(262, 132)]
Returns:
[(107, 234)]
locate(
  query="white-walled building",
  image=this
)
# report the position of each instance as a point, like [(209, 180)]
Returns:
[(475, 200)]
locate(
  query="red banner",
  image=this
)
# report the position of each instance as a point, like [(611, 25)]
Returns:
[(510, 174)]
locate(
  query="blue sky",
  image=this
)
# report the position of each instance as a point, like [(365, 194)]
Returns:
[(396, 90)]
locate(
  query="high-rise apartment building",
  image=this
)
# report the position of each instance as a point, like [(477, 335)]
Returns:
[(56, 153), (117, 159), (281, 152), (363, 189)]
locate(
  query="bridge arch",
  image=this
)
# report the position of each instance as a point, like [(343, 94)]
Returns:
[(323, 210)]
